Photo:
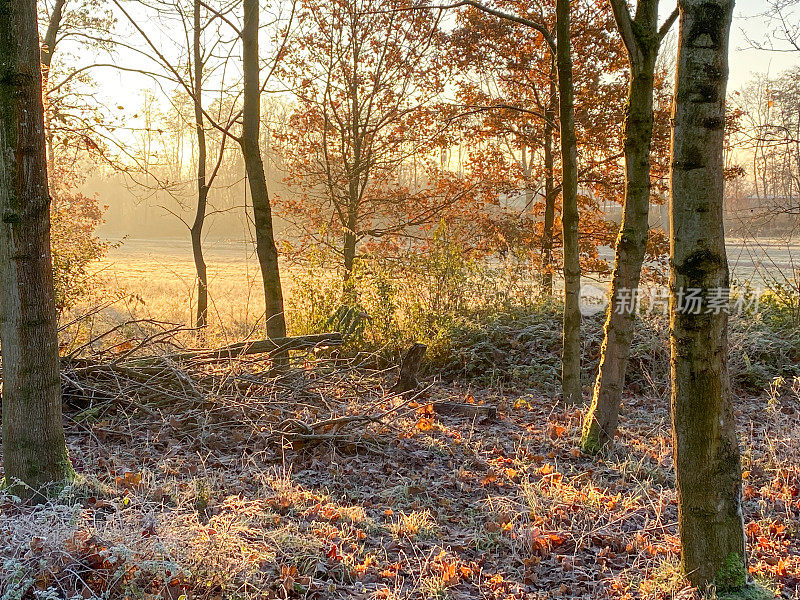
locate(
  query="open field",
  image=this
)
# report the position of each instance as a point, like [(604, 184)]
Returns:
[(159, 277), (155, 279)]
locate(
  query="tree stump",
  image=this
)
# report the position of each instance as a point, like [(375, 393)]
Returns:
[(409, 369)]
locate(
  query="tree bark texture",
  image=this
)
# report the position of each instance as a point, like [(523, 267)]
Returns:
[(549, 187), (600, 425), (202, 184), (706, 451), (571, 351), (34, 449)]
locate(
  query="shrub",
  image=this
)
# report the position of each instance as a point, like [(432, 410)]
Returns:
[(74, 219), (486, 322)]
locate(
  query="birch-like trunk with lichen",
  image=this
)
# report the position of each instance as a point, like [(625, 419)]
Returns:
[(707, 461), (642, 38)]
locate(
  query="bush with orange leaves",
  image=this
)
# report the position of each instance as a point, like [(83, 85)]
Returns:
[(74, 241)]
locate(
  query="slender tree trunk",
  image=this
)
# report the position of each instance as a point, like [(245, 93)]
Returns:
[(601, 421), (603, 416), (34, 449), (707, 461), (549, 189), (266, 249), (199, 262), (571, 352), (349, 251), (527, 171), (202, 185), (355, 172), (48, 48), (350, 241)]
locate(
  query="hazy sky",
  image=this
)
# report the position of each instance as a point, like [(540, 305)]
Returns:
[(744, 60)]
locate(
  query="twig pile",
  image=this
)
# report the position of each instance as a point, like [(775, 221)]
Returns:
[(307, 398)]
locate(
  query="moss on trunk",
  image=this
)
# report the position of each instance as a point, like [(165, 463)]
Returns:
[(707, 461)]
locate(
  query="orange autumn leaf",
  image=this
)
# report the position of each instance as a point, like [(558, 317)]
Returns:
[(546, 469), (556, 431), (424, 424)]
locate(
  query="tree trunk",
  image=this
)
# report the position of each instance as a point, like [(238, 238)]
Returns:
[(48, 48), (34, 449), (349, 252), (549, 189), (600, 425), (200, 263), (571, 352), (355, 172), (409, 369), (707, 459), (202, 185), (262, 211), (527, 171)]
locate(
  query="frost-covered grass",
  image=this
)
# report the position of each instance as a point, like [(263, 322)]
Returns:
[(433, 507)]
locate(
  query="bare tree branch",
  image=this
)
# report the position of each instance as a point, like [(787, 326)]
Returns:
[(546, 34), (667, 25), (622, 15)]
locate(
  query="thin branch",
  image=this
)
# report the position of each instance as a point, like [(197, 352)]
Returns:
[(77, 72), (219, 15), (664, 30), (546, 34), (525, 111), (622, 16), (173, 71)]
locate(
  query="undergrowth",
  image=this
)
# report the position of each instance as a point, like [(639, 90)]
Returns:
[(492, 325), (488, 322)]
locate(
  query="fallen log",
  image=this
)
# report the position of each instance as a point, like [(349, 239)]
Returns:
[(465, 409), (303, 342)]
